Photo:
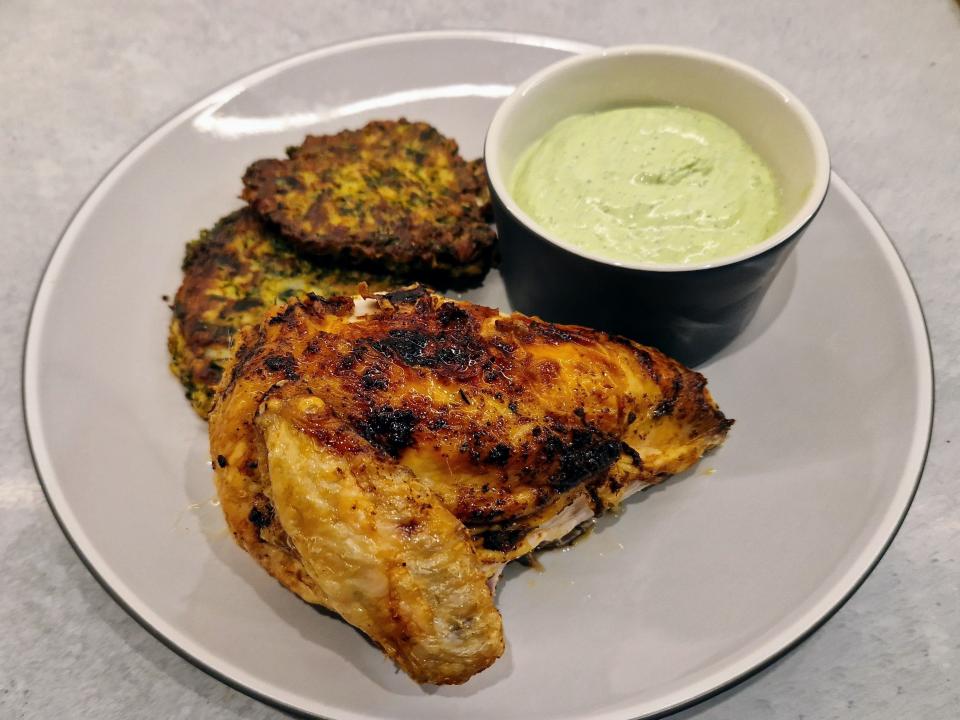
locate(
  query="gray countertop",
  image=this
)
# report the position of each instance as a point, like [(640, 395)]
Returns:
[(82, 82)]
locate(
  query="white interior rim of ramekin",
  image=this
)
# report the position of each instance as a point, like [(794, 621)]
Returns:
[(797, 221)]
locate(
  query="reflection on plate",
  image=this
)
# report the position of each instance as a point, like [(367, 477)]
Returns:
[(699, 586)]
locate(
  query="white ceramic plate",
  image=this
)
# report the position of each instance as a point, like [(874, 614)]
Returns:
[(692, 588)]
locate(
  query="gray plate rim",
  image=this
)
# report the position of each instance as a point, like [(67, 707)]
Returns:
[(45, 472)]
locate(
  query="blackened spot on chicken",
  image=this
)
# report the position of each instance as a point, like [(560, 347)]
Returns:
[(502, 345), (449, 314), (437, 424), (512, 406), (552, 446), (666, 406), (221, 461), (632, 454), (452, 355), (477, 516), (631, 417), (374, 379), (595, 501), (543, 495), (285, 316), (408, 346), (475, 445), (389, 429), (455, 353), (587, 453), (503, 540), (339, 305), (313, 347), (406, 295), (463, 396), (499, 455), (287, 364), (350, 360), (261, 516)]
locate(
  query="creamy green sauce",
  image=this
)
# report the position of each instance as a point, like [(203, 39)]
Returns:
[(653, 184)]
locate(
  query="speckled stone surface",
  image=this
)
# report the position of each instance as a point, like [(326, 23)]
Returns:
[(83, 81)]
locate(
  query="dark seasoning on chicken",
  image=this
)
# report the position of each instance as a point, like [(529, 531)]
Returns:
[(501, 431)]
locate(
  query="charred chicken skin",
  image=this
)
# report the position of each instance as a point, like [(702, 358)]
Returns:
[(385, 455)]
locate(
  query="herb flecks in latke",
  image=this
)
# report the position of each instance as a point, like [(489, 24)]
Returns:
[(394, 195), (232, 274)]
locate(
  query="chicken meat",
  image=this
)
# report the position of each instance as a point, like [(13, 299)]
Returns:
[(385, 456)]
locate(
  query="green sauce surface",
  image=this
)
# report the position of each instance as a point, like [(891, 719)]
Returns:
[(657, 184)]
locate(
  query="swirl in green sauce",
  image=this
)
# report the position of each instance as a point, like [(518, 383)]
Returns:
[(667, 185)]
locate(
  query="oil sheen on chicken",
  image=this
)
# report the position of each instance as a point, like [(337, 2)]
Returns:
[(385, 455)]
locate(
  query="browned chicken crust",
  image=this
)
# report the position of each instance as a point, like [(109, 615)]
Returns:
[(394, 196), (509, 424)]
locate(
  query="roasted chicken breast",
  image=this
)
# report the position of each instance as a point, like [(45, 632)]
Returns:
[(392, 196), (384, 455)]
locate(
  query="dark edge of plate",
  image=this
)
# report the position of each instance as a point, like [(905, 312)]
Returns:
[(789, 647), (296, 712)]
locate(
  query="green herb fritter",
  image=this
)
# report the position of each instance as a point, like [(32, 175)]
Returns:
[(394, 195), (233, 274)]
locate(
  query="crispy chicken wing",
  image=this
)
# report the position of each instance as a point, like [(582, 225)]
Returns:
[(386, 455), (382, 552)]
